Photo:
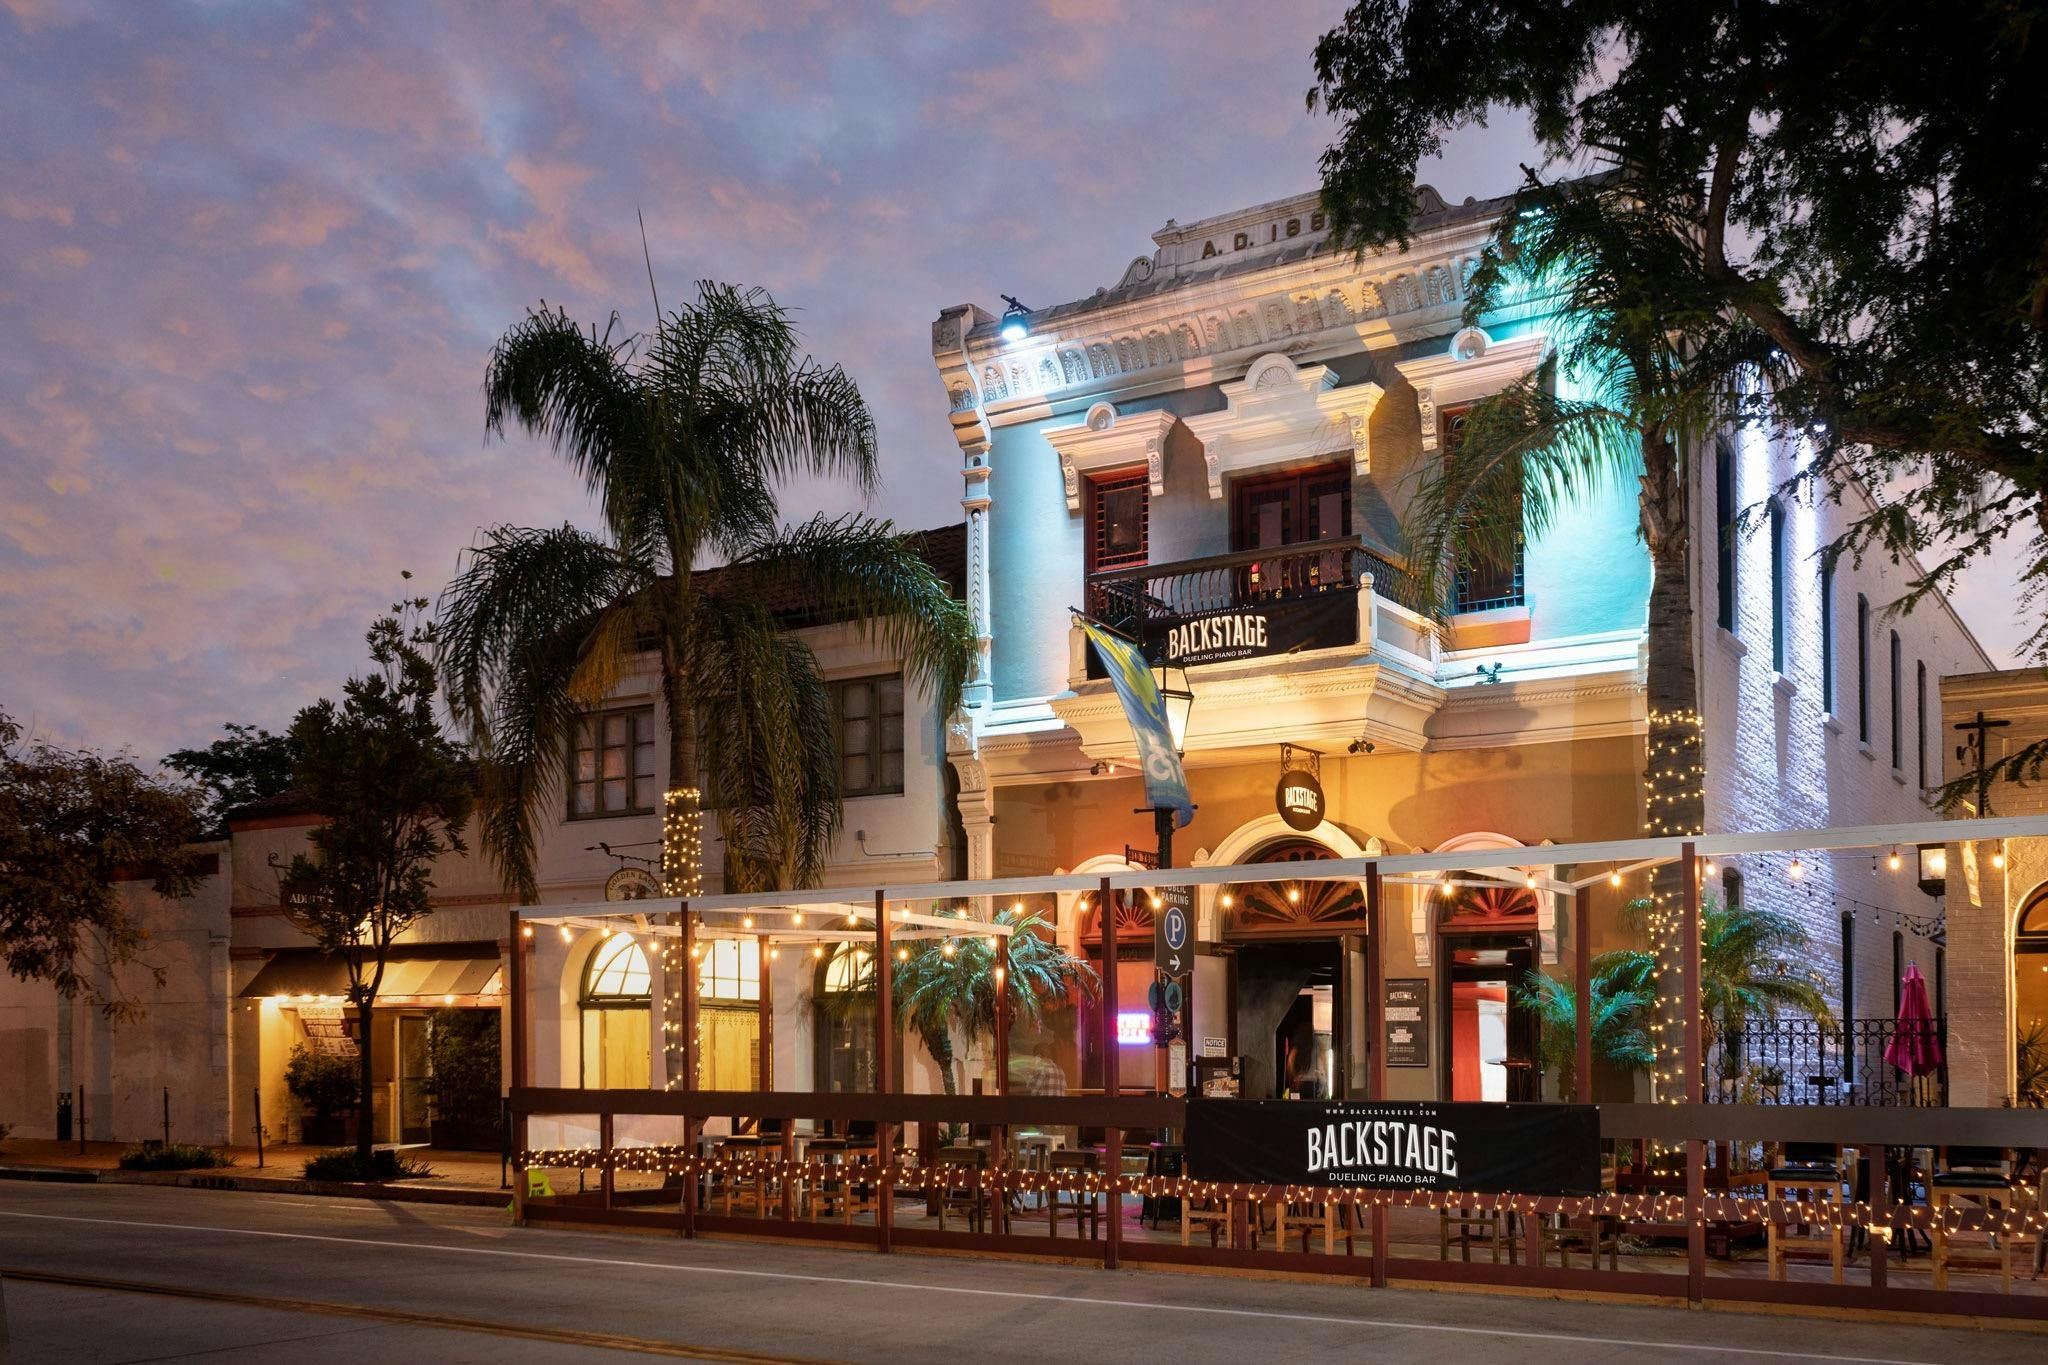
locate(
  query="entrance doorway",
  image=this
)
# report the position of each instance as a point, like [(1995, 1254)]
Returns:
[(1298, 980), (1490, 1038), (415, 1110)]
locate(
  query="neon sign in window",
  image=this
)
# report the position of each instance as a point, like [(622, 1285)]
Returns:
[(1133, 1026)]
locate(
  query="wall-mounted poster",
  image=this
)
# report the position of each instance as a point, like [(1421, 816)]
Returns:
[(1407, 1007)]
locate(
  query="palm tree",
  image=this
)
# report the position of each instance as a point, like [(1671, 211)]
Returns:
[(1752, 966), (944, 985), (1619, 1036), (1645, 361), (682, 437)]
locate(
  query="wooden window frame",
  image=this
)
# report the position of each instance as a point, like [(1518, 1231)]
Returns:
[(1095, 560), (639, 730), (1297, 480), (877, 749)]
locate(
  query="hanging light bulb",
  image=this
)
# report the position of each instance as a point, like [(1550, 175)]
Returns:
[(946, 948), (903, 954), (1294, 895), (604, 931), (817, 950), (1614, 877), (1016, 908), (1082, 905), (774, 953), (1707, 867), (1530, 881), (1998, 859), (1795, 869), (746, 921), (1228, 900), (566, 935), (1156, 902), (1894, 862), (526, 931)]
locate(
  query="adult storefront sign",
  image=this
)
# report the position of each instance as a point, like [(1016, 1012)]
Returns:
[(1299, 799), (1320, 620), (1543, 1149)]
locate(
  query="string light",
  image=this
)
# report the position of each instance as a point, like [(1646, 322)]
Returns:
[(1294, 895), (1614, 878), (1228, 900), (526, 931), (1998, 858), (682, 841), (1795, 869), (903, 954), (1894, 862), (566, 935)]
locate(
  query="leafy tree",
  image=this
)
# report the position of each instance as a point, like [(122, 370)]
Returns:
[(1619, 1035), (72, 823), (1645, 363), (465, 1059), (682, 437), (1863, 183), (394, 792), (248, 765), (948, 985)]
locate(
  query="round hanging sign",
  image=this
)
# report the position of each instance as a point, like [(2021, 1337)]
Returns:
[(1299, 798), (631, 884)]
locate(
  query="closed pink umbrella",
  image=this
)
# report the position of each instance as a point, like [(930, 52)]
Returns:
[(1915, 1048)]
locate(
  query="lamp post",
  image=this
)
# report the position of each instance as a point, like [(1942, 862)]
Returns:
[(1179, 698)]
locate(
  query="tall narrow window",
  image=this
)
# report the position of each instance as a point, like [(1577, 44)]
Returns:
[(1898, 969), (1920, 719), (1724, 540), (870, 714), (1898, 710), (1863, 668), (1848, 965), (1827, 637), (611, 764), (1118, 510), (1777, 586)]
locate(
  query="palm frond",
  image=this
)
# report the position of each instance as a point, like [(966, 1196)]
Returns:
[(571, 387), (527, 613), (861, 571)]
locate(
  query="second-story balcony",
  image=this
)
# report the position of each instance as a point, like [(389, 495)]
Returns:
[(1250, 603)]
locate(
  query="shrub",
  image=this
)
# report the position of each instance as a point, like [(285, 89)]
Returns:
[(173, 1156), (321, 1082), (385, 1164)]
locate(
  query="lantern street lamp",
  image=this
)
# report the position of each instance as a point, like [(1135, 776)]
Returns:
[(1016, 323), (1933, 868)]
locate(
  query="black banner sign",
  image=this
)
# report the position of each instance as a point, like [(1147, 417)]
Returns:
[(1320, 620), (1551, 1149)]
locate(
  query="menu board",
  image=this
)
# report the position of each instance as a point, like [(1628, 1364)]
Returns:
[(1407, 1008), (326, 1030)]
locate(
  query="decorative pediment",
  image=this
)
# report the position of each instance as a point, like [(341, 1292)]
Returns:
[(1109, 440), (1281, 413), (1473, 366)]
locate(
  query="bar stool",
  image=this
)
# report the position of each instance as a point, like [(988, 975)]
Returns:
[(1976, 1178), (1809, 1174)]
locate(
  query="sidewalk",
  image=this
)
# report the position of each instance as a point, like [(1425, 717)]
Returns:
[(459, 1177)]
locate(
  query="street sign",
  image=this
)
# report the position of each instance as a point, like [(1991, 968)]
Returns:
[(1173, 932)]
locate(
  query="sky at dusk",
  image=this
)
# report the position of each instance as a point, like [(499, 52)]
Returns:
[(253, 257)]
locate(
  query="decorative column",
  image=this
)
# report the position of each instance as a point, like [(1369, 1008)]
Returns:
[(980, 688)]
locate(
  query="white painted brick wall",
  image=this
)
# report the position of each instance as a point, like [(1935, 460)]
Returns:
[(1775, 759)]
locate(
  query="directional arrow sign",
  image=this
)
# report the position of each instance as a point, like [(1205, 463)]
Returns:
[(1173, 932)]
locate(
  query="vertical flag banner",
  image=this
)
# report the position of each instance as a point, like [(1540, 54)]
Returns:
[(1166, 785)]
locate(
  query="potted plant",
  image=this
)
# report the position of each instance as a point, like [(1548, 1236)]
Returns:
[(324, 1085)]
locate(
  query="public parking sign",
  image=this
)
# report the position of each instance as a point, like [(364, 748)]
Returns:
[(1173, 932)]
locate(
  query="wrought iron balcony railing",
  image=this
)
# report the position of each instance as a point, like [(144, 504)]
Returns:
[(1803, 1061), (1147, 601)]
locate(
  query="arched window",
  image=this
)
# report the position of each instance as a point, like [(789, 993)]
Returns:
[(843, 1009), (616, 1007)]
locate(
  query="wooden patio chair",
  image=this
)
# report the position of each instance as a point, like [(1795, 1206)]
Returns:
[(1068, 1197), (968, 1197), (1305, 1216), (851, 1186), (1466, 1225), (1972, 1178), (1808, 1174)]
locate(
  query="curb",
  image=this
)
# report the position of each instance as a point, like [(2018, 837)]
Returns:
[(62, 1175), (334, 1189), (261, 1184)]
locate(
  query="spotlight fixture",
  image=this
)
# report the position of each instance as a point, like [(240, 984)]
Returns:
[(1361, 745), (1016, 323)]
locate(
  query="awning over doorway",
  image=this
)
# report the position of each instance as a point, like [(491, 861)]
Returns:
[(426, 972)]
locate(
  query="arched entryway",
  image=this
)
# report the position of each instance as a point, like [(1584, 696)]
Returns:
[(615, 1015), (1294, 950), (1487, 950)]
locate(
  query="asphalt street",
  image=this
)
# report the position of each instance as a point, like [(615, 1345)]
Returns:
[(111, 1273)]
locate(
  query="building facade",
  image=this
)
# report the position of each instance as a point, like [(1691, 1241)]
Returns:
[(1215, 456), (243, 988)]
